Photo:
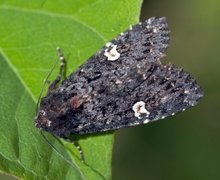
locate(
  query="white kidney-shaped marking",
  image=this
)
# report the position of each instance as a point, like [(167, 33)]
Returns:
[(139, 109), (112, 54)]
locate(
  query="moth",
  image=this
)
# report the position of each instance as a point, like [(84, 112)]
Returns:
[(124, 84)]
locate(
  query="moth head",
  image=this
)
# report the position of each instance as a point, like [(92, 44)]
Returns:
[(50, 110), (56, 111), (41, 120)]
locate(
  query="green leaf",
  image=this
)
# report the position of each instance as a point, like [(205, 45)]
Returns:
[(29, 33)]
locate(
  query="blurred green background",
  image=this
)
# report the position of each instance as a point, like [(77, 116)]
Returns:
[(187, 145)]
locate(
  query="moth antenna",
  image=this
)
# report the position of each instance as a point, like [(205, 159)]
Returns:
[(53, 147), (45, 82), (62, 62), (76, 144), (62, 71)]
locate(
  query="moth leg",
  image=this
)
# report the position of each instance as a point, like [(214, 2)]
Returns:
[(62, 72), (76, 144)]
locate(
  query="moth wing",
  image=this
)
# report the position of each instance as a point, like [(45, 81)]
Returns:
[(146, 40), (122, 85), (163, 91)]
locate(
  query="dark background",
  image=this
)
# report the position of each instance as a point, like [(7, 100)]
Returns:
[(187, 145)]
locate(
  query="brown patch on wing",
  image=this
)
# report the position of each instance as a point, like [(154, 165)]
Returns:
[(75, 102)]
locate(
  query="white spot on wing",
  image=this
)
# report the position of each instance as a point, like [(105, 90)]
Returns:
[(42, 112), (155, 30), (192, 103), (112, 54), (49, 123), (118, 81), (135, 123), (186, 91), (149, 21), (139, 109), (146, 121)]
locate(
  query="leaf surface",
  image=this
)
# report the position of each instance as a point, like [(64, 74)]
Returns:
[(29, 33)]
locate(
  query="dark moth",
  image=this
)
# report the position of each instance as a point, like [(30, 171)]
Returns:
[(122, 85)]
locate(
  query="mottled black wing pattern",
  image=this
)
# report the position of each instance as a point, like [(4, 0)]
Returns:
[(122, 85), (146, 40)]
